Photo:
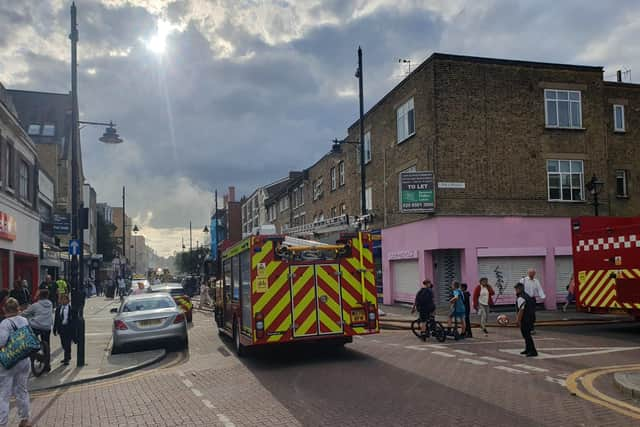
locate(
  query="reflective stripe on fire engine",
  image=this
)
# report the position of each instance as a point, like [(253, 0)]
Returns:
[(596, 288)]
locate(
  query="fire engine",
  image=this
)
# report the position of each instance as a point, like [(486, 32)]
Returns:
[(606, 264), (279, 289)]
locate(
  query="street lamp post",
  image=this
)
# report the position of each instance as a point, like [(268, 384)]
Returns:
[(135, 248), (110, 136), (595, 187)]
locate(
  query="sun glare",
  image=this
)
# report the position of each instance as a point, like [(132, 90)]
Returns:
[(158, 42)]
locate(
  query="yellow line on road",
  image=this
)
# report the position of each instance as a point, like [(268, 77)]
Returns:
[(586, 377)]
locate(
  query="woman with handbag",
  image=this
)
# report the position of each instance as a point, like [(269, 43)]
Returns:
[(482, 301), (13, 381)]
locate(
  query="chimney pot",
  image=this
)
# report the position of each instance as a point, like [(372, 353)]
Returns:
[(619, 76), (232, 194)]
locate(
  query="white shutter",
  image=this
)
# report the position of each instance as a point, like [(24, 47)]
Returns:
[(504, 272), (405, 279), (564, 271)]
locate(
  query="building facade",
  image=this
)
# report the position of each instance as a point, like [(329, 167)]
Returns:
[(19, 216)]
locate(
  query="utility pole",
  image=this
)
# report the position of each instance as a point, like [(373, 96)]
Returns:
[(124, 233), (363, 200), (190, 250)]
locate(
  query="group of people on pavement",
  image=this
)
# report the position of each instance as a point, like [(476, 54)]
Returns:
[(528, 292), (52, 312)]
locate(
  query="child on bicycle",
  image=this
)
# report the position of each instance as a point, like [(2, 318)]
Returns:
[(424, 304)]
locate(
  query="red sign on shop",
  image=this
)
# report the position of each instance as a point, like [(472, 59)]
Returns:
[(7, 227)]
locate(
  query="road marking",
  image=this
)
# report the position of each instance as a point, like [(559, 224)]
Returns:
[(581, 351), (560, 381), (493, 359), (466, 353), (187, 383), (512, 370), (180, 373), (208, 404), (225, 420), (531, 368), (197, 392), (394, 344), (473, 361), (442, 353), (417, 347), (375, 340)]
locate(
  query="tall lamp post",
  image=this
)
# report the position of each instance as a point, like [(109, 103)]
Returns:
[(336, 148), (135, 248), (110, 137), (595, 188)]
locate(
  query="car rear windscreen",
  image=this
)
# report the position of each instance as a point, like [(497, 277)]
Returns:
[(148, 304)]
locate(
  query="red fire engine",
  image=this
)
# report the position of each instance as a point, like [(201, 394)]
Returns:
[(606, 264), (278, 289)]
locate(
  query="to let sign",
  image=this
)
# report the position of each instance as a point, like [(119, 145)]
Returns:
[(417, 193)]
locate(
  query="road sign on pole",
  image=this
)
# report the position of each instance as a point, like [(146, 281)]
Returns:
[(74, 247)]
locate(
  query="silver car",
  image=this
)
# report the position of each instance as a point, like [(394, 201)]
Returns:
[(149, 318)]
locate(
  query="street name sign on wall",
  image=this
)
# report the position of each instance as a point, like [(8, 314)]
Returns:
[(417, 194)]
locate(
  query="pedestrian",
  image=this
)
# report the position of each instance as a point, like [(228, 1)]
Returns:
[(40, 318), (13, 381), (21, 294), (571, 294), (64, 324), (425, 306), (482, 301), (533, 288), (52, 289), (525, 307), (457, 310), (140, 289), (62, 288), (204, 295), (122, 287), (98, 287), (467, 310)]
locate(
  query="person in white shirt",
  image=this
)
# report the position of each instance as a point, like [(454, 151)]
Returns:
[(533, 288)]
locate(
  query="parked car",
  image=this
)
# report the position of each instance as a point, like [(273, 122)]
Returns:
[(148, 318), (179, 296), (191, 285)]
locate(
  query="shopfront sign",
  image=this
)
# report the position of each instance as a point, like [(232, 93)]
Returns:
[(7, 227), (403, 255), (417, 194), (61, 224)]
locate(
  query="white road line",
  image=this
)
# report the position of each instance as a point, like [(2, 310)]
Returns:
[(466, 353), (417, 347), (208, 404), (556, 380), (531, 368), (197, 392), (187, 383), (512, 370), (473, 361), (442, 353), (225, 420), (493, 359), (394, 344), (180, 373)]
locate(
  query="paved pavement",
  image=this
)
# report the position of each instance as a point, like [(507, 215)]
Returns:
[(387, 379), (99, 361)]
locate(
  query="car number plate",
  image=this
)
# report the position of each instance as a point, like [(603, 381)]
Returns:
[(358, 316), (148, 323)]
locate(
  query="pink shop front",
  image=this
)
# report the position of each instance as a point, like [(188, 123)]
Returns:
[(502, 249)]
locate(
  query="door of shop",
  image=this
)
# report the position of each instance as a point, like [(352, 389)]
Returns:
[(446, 267)]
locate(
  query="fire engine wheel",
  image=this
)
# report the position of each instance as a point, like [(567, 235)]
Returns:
[(240, 350)]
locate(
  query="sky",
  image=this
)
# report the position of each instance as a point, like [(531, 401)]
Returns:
[(215, 93)]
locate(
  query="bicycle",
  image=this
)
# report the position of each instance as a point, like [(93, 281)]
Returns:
[(40, 359), (434, 329), (454, 331)]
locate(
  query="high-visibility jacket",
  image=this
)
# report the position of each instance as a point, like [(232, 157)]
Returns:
[(63, 288)]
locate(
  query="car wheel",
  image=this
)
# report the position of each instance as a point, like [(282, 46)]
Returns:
[(116, 349), (185, 344), (240, 350)]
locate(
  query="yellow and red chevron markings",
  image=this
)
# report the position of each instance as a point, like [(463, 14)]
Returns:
[(596, 288)]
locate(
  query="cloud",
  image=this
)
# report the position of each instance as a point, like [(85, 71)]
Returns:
[(248, 90)]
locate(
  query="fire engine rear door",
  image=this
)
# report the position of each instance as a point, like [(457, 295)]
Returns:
[(304, 301), (329, 299)]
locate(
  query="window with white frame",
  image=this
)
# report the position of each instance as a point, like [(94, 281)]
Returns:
[(367, 147), (368, 197), (48, 129), (24, 180), (563, 108), (295, 198), (301, 194), (618, 118), (11, 167), (565, 179), (334, 181), (343, 209), (341, 173), (34, 129), (405, 120), (621, 183)]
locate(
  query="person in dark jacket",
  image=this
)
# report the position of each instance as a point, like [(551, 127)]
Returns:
[(21, 294), (65, 324), (52, 289), (525, 306), (425, 305), (467, 310)]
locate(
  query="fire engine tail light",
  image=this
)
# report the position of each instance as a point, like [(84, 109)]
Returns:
[(259, 318), (120, 325), (372, 315)]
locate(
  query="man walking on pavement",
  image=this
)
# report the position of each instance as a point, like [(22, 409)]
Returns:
[(533, 288), (525, 307), (51, 288), (64, 324)]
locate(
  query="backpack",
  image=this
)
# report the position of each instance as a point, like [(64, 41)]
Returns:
[(21, 344)]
